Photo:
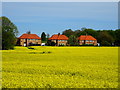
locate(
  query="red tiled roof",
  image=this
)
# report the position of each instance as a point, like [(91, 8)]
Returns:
[(29, 36), (86, 37), (58, 37)]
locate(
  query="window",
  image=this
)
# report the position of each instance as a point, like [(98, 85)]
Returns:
[(53, 41), (91, 41), (61, 44), (64, 40), (33, 39), (87, 40)]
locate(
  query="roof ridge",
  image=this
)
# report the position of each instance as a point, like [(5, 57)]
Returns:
[(87, 37), (28, 36), (58, 37)]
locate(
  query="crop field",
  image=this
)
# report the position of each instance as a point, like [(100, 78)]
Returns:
[(60, 67)]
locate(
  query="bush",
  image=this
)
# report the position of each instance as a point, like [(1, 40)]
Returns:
[(105, 43), (88, 45)]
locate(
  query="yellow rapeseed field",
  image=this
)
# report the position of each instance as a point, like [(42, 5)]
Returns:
[(60, 67)]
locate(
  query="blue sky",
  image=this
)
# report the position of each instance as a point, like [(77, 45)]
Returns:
[(55, 17)]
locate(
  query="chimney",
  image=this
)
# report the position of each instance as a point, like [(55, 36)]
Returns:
[(58, 34)]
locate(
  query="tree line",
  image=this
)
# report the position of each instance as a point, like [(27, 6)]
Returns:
[(9, 32), (104, 37)]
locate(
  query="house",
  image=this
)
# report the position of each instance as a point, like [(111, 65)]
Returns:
[(59, 40), (29, 39), (87, 40)]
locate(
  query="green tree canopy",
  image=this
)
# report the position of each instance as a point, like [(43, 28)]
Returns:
[(91, 32), (105, 38), (43, 36), (77, 33), (9, 33), (68, 32), (117, 40), (73, 41)]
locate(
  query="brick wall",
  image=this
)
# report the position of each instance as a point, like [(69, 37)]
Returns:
[(60, 42), (81, 42), (34, 41)]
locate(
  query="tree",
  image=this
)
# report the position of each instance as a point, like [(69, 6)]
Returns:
[(43, 36), (9, 33), (68, 32), (83, 28), (50, 43), (77, 33), (48, 36), (117, 40), (105, 39), (73, 40), (91, 32)]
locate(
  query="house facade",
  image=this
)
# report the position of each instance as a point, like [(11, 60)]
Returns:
[(29, 39), (87, 40), (59, 39)]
